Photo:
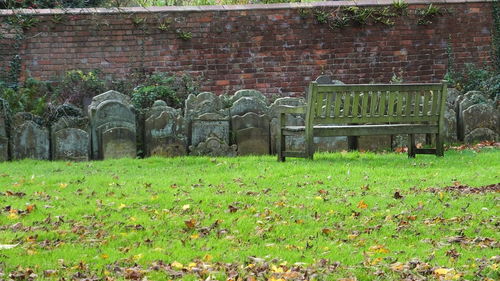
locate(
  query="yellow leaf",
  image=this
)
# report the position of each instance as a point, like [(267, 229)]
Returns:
[(185, 207), (378, 249), (104, 256), (122, 206), (318, 198), (191, 264), (154, 197), (132, 219), (137, 257), (362, 205), (207, 257), (177, 265), (13, 216), (397, 266), (441, 195), (276, 269), (352, 236), (376, 261), (63, 185), (195, 236), (442, 271)]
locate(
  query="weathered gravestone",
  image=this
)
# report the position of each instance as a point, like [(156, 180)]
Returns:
[(293, 143), (462, 103), (251, 133), (165, 131), (249, 94), (481, 116), (70, 138), (205, 102), (209, 125), (113, 126), (213, 146), (250, 122), (4, 138), (208, 119), (450, 125), (244, 101), (29, 138)]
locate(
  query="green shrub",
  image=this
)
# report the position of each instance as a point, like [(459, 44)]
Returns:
[(476, 78), (31, 96), (173, 89), (76, 86)]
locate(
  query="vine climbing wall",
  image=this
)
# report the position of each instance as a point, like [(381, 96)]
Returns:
[(277, 49)]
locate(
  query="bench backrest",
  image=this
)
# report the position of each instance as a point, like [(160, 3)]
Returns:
[(375, 103)]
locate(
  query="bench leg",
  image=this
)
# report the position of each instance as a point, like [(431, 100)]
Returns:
[(352, 143), (280, 146), (440, 145), (309, 144), (411, 146)]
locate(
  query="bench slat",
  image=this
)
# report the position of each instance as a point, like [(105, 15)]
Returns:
[(435, 103), (425, 107), (391, 104), (347, 104), (355, 104), (338, 100)]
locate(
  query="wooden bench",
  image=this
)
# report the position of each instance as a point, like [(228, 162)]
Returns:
[(371, 109)]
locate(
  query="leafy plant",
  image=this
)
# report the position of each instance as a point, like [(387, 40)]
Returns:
[(427, 15), (184, 35), (400, 6), (173, 89), (32, 96), (76, 86), (321, 16)]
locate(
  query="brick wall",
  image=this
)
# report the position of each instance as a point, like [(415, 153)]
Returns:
[(266, 47)]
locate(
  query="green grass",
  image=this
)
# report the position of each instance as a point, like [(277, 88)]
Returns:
[(118, 218)]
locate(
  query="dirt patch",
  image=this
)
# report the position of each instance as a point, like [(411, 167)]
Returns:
[(467, 189)]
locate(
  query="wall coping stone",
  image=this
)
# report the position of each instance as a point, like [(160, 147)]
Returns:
[(131, 10)]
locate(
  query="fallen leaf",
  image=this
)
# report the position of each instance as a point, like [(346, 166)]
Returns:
[(362, 205), (190, 223), (7, 246)]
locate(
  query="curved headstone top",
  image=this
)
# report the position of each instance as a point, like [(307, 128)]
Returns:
[(161, 106), (109, 95), (327, 79), (248, 93), (273, 109), (159, 103), (205, 102), (248, 104)]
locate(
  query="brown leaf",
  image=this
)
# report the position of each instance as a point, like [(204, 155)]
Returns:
[(397, 195), (326, 231), (190, 223), (232, 209)]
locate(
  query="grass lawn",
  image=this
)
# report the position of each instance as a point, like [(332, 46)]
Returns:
[(344, 215)]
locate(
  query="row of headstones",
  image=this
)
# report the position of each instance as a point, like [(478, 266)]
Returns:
[(207, 127), (111, 128)]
